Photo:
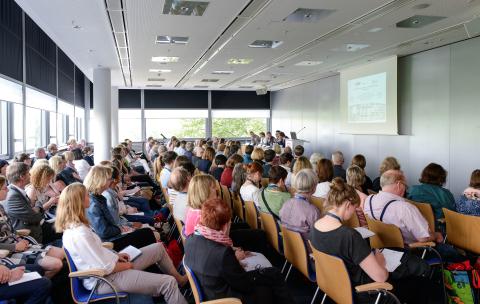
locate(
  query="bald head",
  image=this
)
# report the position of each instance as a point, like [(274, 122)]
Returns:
[(179, 179), (393, 181)]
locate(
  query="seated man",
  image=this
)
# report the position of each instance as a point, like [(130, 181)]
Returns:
[(390, 207), (338, 160)]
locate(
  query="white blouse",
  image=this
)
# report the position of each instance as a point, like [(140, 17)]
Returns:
[(180, 206), (87, 252), (82, 167), (249, 192), (322, 190)]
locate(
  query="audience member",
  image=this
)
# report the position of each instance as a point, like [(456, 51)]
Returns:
[(338, 160), (247, 156), (88, 155), (272, 198), (286, 163), (217, 170), (40, 191), (3, 167), (179, 181), (314, 159), (205, 163), (269, 155), (200, 189), (168, 160), (227, 174), (64, 174), (39, 153), (81, 164), (251, 187), (389, 163), (23, 158), (359, 160), (356, 179), (254, 138), (469, 202), (188, 150), (52, 150), (325, 176), (257, 155), (301, 163)]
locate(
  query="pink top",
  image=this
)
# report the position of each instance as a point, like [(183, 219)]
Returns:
[(401, 214), (192, 218), (361, 217)]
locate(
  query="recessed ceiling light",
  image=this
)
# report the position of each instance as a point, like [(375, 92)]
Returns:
[(222, 72), (171, 40), (418, 21), (200, 86), (265, 44), (156, 79), (308, 15), (239, 61), (308, 63), (154, 85), (159, 70), (421, 6), (245, 87), (353, 47), (261, 81), (165, 59), (375, 30), (184, 7), (210, 80)]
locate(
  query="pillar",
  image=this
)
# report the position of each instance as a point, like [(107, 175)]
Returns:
[(114, 116), (102, 127)]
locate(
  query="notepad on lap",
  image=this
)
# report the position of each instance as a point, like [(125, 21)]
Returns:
[(132, 252), (392, 259), (27, 276), (255, 260), (364, 232)]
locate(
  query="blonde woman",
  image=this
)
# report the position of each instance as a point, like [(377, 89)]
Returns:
[(201, 188), (301, 163), (258, 155), (41, 177), (356, 178), (66, 175), (87, 252), (389, 163)]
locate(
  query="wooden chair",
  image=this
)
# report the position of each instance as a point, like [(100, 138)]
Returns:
[(463, 231), (270, 226), (238, 208), (179, 225), (370, 192), (251, 214), (226, 196), (265, 182), (318, 202), (334, 281), (427, 212), (353, 222), (197, 292), (296, 253)]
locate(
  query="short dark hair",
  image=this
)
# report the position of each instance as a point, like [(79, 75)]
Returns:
[(21, 157), (189, 167), (169, 157), (276, 174), (180, 160), (475, 179), (298, 150), (248, 149), (285, 158), (433, 174), (359, 160), (77, 154), (220, 159), (269, 155)]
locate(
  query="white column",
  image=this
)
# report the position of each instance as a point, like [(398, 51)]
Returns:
[(114, 117), (87, 110), (101, 127)]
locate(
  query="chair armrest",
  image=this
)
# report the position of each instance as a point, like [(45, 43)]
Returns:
[(421, 244), (108, 245), (373, 286), (87, 273), (23, 232), (224, 301)]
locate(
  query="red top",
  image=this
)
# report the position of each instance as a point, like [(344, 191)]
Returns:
[(226, 178)]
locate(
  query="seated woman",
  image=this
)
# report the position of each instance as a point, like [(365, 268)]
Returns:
[(97, 181), (179, 181), (325, 175), (41, 190), (64, 174), (360, 160), (364, 266), (200, 189), (431, 190), (272, 198), (210, 254), (389, 163), (258, 155), (81, 164), (298, 214), (205, 163), (227, 174), (356, 179), (50, 260), (87, 252), (69, 164), (469, 202), (252, 185), (301, 163), (88, 155)]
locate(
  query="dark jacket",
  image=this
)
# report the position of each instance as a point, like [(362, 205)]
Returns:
[(21, 213), (101, 220), (204, 165), (89, 160), (338, 171), (66, 176)]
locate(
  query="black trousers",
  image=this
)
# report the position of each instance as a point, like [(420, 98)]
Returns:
[(138, 239)]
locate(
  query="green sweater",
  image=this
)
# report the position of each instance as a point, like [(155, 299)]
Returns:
[(275, 199), (434, 195)]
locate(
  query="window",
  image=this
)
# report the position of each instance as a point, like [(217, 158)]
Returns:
[(129, 124), (17, 127), (238, 123), (181, 123), (79, 123), (65, 114), (35, 124), (52, 127), (3, 128), (10, 91)]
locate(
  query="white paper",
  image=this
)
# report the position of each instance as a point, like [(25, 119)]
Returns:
[(131, 191), (364, 232), (392, 259), (27, 276), (132, 252), (138, 213), (256, 260)]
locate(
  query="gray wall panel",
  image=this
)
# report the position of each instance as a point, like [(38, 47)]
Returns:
[(438, 102)]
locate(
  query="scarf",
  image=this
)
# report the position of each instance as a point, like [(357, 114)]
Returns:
[(213, 235)]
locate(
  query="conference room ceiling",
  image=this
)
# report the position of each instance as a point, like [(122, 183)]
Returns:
[(217, 44)]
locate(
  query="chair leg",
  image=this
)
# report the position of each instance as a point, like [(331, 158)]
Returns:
[(288, 273), (284, 265), (315, 295), (378, 298), (324, 298)]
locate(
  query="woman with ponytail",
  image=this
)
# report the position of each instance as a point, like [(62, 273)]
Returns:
[(252, 185)]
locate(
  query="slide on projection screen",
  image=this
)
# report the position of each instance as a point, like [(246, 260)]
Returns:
[(368, 98)]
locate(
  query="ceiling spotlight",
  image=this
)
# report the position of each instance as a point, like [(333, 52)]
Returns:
[(159, 70), (165, 59), (375, 30), (239, 61)]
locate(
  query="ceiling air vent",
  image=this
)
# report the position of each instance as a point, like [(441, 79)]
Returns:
[(222, 72), (184, 7), (418, 21), (265, 44), (308, 15), (210, 80), (261, 81), (171, 40)]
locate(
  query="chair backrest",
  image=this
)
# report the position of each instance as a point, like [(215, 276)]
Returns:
[(165, 195), (318, 202), (332, 277), (238, 206), (226, 195), (272, 231), (251, 214), (179, 225), (194, 284), (353, 221), (386, 235), (463, 230), (78, 291), (427, 212), (295, 252), (265, 182), (370, 192)]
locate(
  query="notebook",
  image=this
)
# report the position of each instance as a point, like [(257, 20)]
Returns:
[(392, 259), (27, 276), (364, 232), (132, 252)]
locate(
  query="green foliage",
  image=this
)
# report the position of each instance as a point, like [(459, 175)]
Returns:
[(192, 127), (237, 127)]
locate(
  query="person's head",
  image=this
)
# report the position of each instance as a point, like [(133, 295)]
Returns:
[(262, 134), (52, 149), (281, 135), (69, 156), (179, 179), (389, 163), (117, 151), (116, 177), (234, 148), (72, 142), (314, 159), (277, 175), (252, 133), (87, 150), (277, 133), (169, 157), (40, 153), (254, 171), (393, 181), (3, 167), (257, 154), (286, 159), (301, 163), (355, 176), (359, 160), (342, 198), (23, 158), (57, 163), (475, 179), (98, 179), (199, 152), (433, 174), (248, 149), (42, 161), (325, 170), (305, 182), (220, 160), (337, 158), (268, 155), (189, 146), (201, 188), (180, 160), (239, 176), (216, 215), (288, 150), (41, 176), (268, 135), (18, 174), (221, 148), (277, 149), (298, 150), (209, 154), (71, 207), (77, 154), (233, 160), (3, 188)]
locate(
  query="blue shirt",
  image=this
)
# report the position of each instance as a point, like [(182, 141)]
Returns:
[(101, 220)]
